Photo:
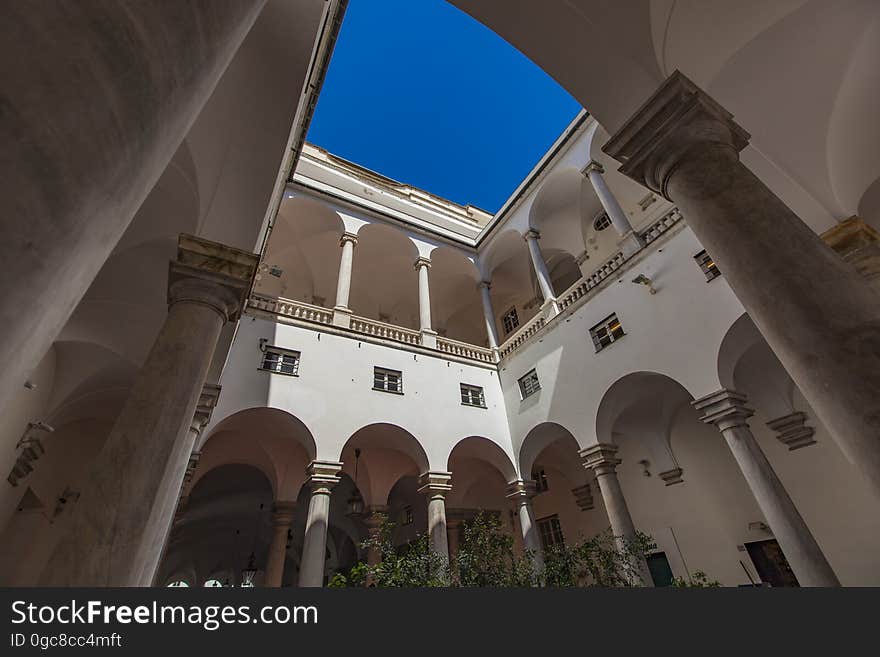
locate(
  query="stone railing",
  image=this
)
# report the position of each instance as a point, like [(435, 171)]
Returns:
[(465, 350), (290, 308), (382, 330), (582, 287)]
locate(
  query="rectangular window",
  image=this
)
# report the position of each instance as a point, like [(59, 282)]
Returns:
[(387, 380), (540, 479), (472, 396), (406, 516), (605, 332), (510, 321), (280, 361), (529, 385), (551, 531), (658, 567), (710, 269)]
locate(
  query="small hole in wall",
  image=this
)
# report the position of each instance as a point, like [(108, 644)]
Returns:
[(659, 250)]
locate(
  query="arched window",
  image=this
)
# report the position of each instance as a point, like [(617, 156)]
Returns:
[(179, 583), (213, 583), (602, 222)]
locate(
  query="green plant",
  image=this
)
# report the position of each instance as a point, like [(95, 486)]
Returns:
[(698, 580)]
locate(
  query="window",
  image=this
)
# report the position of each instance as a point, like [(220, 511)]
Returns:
[(529, 385), (213, 583), (280, 361), (387, 380), (658, 567), (710, 269), (510, 321), (605, 332), (551, 531), (406, 515), (540, 479), (178, 584), (472, 396), (601, 222)]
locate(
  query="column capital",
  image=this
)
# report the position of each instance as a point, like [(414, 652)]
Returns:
[(793, 431), (348, 237), (323, 476), (583, 497), (435, 484), (211, 274), (484, 285), (207, 403), (677, 118), (725, 409), (422, 261), (282, 512), (592, 167), (532, 234), (520, 491), (600, 458)]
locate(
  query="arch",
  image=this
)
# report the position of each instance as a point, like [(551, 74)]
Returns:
[(384, 283), (482, 449), (557, 211), (741, 335), (456, 307), (387, 453), (507, 265), (543, 436), (301, 259)]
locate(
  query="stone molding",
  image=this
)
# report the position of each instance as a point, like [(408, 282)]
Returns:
[(601, 458), (672, 476), (793, 431), (323, 476), (520, 491), (725, 409), (532, 233), (348, 237), (677, 118), (484, 284), (435, 484), (583, 497), (593, 166), (422, 261), (282, 513)]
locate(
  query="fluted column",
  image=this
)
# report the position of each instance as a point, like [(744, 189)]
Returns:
[(488, 313), (282, 517), (323, 476), (727, 410), (819, 316), (341, 311), (143, 462), (97, 98), (435, 486), (602, 460), (520, 492), (550, 306), (429, 335), (631, 242)]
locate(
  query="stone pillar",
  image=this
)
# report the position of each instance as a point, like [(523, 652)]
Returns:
[(323, 476), (819, 316), (282, 517), (373, 518), (435, 485), (630, 242), (341, 311), (98, 100), (520, 492), (429, 335), (551, 308), (602, 460), (727, 410), (143, 462), (454, 520), (488, 313)]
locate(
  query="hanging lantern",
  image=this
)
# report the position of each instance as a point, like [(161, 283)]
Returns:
[(355, 504)]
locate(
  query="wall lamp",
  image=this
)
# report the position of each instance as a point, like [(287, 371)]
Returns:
[(641, 279)]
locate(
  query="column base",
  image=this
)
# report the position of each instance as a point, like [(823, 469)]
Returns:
[(630, 244), (549, 309), (342, 316)]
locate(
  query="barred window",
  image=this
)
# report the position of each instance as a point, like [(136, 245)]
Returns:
[(406, 515), (529, 384), (602, 222), (710, 269), (551, 531), (607, 331), (510, 321), (540, 479), (387, 380), (472, 396), (280, 361)]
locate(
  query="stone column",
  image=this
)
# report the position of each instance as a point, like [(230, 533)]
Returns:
[(435, 485), (98, 100), (282, 517), (819, 316), (341, 311), (727, 410), (551, 308), (373, 518), (454, 520), (429, 336), (143, 462), (521, 492), (488, 313), (602, 460), (323, 476), (630, 242)]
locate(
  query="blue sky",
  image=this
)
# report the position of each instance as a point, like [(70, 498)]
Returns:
[(420, 92)]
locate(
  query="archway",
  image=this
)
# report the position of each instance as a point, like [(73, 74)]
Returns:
[(456, 307)]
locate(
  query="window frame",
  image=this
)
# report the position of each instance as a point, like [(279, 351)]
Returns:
[(710, 270), (510, 312), (523, 393), (608, 327), (480, 392), (542, 483), (550, 526), (281, 352), (387, 371)]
